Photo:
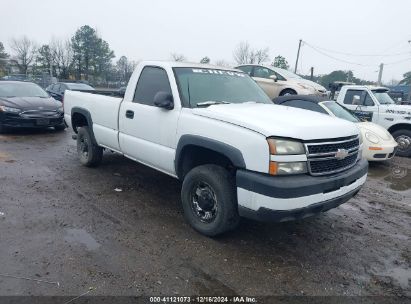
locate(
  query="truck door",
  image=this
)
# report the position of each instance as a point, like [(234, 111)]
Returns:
[(147, 133), (361, 104)]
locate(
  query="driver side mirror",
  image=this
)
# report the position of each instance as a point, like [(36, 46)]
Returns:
[(273, 77), (164, 100)]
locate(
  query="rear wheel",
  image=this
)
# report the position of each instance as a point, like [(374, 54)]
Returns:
[(90, 154), (403, 138), (287, 92), (209, 200)]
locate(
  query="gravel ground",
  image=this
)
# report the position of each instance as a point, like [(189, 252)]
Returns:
[(61, 222)]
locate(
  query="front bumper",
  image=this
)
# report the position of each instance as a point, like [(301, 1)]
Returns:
[(284, 198), (387, 152), (17, 121)]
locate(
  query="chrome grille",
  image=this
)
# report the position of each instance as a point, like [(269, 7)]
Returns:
[(40, 114), (323, 158)]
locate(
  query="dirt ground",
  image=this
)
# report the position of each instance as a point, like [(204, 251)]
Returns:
[(118, 230)]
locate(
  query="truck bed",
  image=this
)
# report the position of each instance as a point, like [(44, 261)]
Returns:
[(103, 110)]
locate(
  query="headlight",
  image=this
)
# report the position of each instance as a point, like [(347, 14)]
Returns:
[(61, 110), (284, 147), (372, 137), (9, 110), (277, 168)]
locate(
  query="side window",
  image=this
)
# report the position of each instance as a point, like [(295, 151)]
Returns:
[(306, 105), (152, 80), (368, 100), (279, 77), (262, 72), (246, 69), (350, 99)]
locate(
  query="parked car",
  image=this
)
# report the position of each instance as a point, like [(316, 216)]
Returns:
[(374, 104), (378, 144), (57, 90), (25, 104), (236, 153), (279, 82)]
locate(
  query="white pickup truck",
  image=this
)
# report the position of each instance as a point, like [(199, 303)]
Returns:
[(236, 153), (374, 104)]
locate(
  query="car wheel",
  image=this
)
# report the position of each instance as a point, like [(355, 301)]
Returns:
[(287, 92), (209, 200), (90, 154), (60, 127), (403, 138)]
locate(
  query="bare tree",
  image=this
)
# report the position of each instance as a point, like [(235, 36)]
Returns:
[(24, 52), (178, 57), (260, 55), (62, 54), (222, 63), (242, 53)]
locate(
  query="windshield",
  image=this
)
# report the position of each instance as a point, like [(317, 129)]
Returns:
[(207, 86), (287, 74), (79, 86), (339, 111), (383, 97), (21, 89)]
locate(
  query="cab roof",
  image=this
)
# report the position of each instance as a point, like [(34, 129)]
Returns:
[(370, 87), (177, 64)]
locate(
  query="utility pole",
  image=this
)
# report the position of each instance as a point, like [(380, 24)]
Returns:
[(311, 73), (298, 56), (380, 73)]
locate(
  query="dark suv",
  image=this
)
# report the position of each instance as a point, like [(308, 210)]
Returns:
[(57, 90)]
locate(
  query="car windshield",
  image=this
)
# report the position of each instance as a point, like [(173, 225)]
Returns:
[(21, 89), (79, 86), (339, 111), (287, 74), (203, 87), (383, 97)]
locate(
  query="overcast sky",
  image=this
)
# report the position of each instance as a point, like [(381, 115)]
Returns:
[(153, 29)]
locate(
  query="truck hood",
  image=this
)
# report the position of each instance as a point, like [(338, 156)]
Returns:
[(396, 109), (275, 120)]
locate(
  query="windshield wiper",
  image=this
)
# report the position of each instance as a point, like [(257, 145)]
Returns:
[(210, 103)]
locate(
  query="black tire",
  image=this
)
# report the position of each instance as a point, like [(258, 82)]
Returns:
[(403, 138), (60, 127), (288, 92), (90, 154), (224, 216)]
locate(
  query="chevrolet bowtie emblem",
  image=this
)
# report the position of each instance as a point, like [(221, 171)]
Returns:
[(341, 154)]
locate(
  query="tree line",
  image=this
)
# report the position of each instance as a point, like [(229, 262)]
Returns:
[(86, 56)]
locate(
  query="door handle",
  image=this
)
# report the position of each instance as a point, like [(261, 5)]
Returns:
[(130, 114)]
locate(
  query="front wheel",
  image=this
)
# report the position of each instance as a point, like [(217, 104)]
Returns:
[(288, 92), (209, 200), (90, 154), (403, 138)]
